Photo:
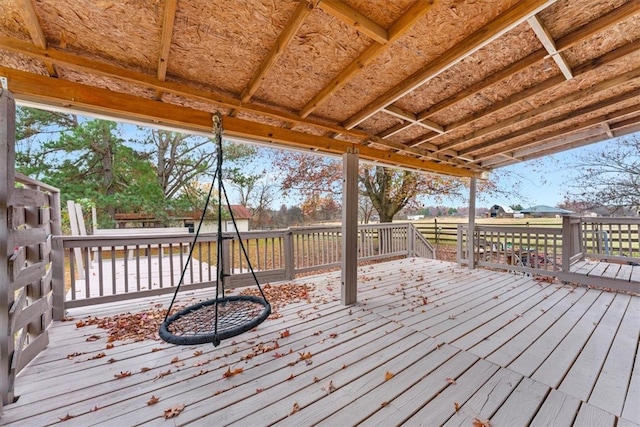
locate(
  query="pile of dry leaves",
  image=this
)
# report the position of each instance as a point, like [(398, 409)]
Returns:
[(144, 325)]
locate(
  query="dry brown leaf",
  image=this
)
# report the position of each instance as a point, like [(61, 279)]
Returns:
[(291, 377), (285, 334), (66, 417), (153, 400), (173, 411), (259, 390), (175, 359), (80, 324), (202, 372), (456, 406), (305, 356), (197, 353), (93, 338), (451, 381), (383, 404), (389, 375), (109, 346), (95, 408), (477, 422), (112, 360), (229, 373), (162, 374), (295, 409), (72, 355), (153, 350), (123, 374), (98, 356), (144, 369)]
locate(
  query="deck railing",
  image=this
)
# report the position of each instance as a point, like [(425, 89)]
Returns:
[(127, 266), (551, 250)]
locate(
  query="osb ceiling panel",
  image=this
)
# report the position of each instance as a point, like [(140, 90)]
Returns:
[(437, 85)]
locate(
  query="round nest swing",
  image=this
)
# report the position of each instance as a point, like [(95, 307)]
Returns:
[(223, 317)]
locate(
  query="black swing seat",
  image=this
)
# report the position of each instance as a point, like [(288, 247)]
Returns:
[(214, 320)]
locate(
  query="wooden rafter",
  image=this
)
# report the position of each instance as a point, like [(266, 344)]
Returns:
[(558, 120), (404, 115), (41, 89), (165, 40), (567, 41), (397, 30), (35, 32), (108, 70), (549, 44), (505, 22), (285, 37), (355, 19), (549, 106)]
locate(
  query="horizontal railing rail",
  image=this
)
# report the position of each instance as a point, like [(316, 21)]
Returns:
[(123, 266)]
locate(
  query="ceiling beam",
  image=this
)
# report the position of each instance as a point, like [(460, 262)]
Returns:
[(480, 38), (35, 32), (293, 25), (91, 100), (565, 42), (165, 41), (536, 90), (410, 117), (397, 30), (559, 120), (354, 19), (549, 44), (111, 71)]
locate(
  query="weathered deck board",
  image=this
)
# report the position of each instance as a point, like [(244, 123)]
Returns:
[(424, 336)]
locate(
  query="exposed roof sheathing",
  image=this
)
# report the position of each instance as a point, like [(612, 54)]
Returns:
[(443, 86)]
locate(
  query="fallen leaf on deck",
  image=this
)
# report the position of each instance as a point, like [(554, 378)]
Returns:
[(72, 355), (451, 381), (153, 350), (95, 408), (291, 377), (174, 411), (333, 335), (479, 423), (112, 360), (162, 374), (202, 372), (383, 404), (80, 324), (197, 353), (305, 356), (93, 338), (329, 388), (456, 406), (144, 369), (123, 374), (285, 334), (295, 409), (230, 373), (175, 359), (109, 346), (153, 400), (66, 417), (259, 390), (389, 375), (97, 356)]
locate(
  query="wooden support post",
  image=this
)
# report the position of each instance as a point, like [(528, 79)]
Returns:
[(289, 256), (472, 224), (349, 288), (7, 177)]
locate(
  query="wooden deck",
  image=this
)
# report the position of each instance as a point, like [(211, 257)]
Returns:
[(427, 344), (603, 273)]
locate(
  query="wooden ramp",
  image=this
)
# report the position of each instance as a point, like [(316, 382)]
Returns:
[(427, 344)]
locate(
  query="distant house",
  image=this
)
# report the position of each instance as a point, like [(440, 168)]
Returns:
[(543, 211), (241, 214), (500, 211)]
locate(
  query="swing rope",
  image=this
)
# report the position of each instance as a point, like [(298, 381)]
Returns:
[(222, 317)]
